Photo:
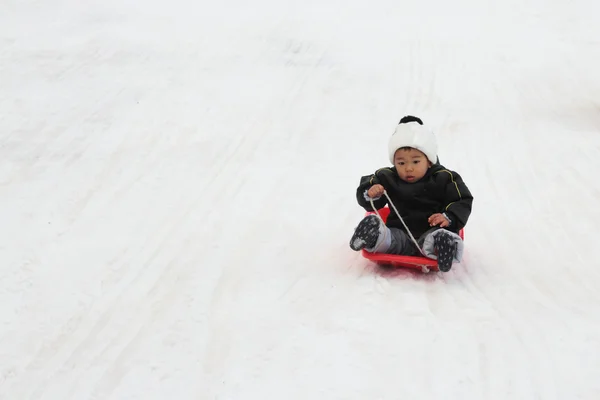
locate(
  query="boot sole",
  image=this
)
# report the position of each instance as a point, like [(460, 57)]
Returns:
[(446, 250), (365, 233)]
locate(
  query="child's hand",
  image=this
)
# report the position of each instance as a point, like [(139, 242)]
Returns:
[(438, 219), (376, 191)]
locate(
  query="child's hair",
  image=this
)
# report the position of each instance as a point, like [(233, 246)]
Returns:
[(406, 148)]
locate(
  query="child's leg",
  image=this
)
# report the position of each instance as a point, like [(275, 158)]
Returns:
[(445, 246), (374, 236), (402, 244)]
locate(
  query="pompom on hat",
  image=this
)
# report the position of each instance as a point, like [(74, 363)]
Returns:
[(410, 132)]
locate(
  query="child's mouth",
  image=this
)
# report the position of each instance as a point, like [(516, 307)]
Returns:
[(410, 178)]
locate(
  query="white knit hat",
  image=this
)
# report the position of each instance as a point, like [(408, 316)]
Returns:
[(412, 134)]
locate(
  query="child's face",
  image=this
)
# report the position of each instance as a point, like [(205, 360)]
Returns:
[(411, 164)]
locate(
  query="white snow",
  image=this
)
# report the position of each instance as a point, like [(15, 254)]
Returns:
[(177, 194)]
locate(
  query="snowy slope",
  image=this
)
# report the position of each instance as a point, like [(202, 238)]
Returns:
[(177, 194)]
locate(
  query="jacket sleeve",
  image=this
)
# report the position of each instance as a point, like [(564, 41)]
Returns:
[(458, 199), (361, 193)]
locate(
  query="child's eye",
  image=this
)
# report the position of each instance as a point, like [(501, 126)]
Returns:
[(400, 162), (417, 161)]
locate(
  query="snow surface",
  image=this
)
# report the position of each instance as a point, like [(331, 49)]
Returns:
[(177, 194)]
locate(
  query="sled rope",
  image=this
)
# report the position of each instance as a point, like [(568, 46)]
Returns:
[(399, 216)]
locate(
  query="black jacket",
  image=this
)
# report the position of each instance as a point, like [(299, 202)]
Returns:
[(439, 191)]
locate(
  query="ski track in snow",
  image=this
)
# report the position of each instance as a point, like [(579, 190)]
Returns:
[(177, 195)]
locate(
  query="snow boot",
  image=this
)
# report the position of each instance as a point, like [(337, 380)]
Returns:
[(366, 233), (445, 248)]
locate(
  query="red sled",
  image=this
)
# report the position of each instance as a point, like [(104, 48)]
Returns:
[(425, 264)]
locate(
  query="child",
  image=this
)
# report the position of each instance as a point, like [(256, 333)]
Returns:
[(433, 201)]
